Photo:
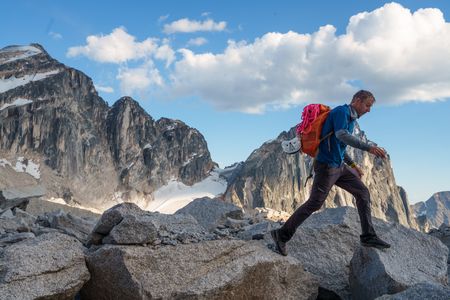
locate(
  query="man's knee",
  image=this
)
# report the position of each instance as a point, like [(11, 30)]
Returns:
[(314, 206), (363, 194), (316, 201)]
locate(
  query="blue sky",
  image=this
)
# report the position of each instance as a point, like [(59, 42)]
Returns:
[(241, 71)]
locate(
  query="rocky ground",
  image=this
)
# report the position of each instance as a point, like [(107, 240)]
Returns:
[(209, 250)]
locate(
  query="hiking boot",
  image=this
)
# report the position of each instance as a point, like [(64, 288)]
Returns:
[(374, 241), (280, 246)]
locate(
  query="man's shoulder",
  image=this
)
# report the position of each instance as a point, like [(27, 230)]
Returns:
[(343, 107), (340, 110)]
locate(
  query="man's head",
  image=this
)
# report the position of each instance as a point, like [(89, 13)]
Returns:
[(362, 102)]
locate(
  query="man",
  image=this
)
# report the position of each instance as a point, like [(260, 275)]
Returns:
[(330, 170)]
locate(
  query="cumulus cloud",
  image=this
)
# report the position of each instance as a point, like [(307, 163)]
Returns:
[(166, 53), (116, 47), (398, 54), (186, 26), (140, 79), (120, 47), (104, 89), (197, 41)]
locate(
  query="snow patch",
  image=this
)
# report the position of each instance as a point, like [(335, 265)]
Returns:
[(27, 166), (4, 163), (171, 127), (175, 195), (17, 102), (193, 155), (23, 52), (148, 146), (57, 200), (63, 202), (13, 82), (233, 166)]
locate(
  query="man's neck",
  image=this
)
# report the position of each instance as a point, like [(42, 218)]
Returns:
[(353, 113)]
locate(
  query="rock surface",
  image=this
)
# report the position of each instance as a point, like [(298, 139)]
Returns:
[(50, 266), (127, 224), (327, 241), (15, 237), (324, 244), (178, 258), (374, 273), (77, 227), (132, 230), (207, 270), (38, 207), (211, 213), (435, 211), (114, 216), (421, 291), (141, 255), (443, 234)]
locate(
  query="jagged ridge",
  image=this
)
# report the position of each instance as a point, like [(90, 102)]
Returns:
[(89, 152)]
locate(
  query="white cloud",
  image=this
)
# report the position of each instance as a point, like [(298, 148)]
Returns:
[(399, 55), (186, 25), (197, 41), (55, 35), (116, 47), (163, 18), (166, 53), (120, 47), (139, 80), (104, 89)]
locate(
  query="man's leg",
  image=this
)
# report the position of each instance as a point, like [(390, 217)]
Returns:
[(353, 184), (324, 179)]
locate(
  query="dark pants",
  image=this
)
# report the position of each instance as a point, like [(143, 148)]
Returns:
[(325, 177)]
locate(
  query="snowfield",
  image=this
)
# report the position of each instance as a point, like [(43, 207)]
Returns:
[(175, 195)]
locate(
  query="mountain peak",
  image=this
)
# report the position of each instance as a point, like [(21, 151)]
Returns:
[(129, 103), (39, 46), (436, 209), (13, 53), (126, 100)]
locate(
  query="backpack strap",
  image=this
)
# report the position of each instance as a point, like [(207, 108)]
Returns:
[(311, 169), (328, 135)]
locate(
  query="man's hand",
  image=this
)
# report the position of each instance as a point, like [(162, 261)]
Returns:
[(378, 151), (358, 170)]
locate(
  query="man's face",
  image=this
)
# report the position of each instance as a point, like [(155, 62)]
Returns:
[(362, 106)]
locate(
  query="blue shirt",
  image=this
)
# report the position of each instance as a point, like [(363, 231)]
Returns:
[(331, 150)]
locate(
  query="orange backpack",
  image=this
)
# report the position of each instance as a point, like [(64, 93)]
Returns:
[(310, 128)]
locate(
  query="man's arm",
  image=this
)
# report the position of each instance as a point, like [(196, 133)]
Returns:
[(340, 123), (344, 136), (349, 161)]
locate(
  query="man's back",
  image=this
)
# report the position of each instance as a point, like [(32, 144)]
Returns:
[(331, 150)]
